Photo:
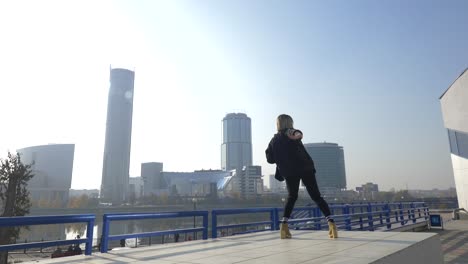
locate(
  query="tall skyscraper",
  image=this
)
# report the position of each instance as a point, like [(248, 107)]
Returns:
[(52, 168), (115, 170), (329, 163), (455, 113), (236, 149)]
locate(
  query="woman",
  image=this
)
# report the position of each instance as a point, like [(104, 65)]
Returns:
[(294, 164)]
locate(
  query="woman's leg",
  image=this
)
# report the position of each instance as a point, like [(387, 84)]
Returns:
[(292, 184), (293, 189), (312, 188)]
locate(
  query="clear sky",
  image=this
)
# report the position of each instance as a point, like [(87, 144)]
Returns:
[(364, 74)]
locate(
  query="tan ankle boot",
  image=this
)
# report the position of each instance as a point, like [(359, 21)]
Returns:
[(284, 231), (332, 232)]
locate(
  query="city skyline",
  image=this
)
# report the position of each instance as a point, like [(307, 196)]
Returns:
[(366, 75)]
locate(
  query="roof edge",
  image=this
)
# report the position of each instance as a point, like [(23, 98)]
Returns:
[(453, 83)]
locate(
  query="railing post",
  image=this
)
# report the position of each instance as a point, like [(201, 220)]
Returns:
[(317, 214), (105, 234), (347, 217), (369, 217), (214, 223), (387, 216), (413, 215), (426, 212), (382, 208), (89, 237), (273, 215), (205, 226), (277, 217), (402, 218)]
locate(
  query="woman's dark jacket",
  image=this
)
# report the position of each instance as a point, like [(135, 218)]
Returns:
[(290, 156)]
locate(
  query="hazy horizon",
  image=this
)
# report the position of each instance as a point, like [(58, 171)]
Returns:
[(364, 74)]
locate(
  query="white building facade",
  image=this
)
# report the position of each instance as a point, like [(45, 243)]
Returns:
[(243, 183), (454, 103), (201, 183), (52, 168)]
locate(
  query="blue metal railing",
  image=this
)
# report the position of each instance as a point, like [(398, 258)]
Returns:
[(371, 216), (368, 216), (47, 220), (107, 218), (273, 222)]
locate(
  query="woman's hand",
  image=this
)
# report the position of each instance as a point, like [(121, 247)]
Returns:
[(295, 135)]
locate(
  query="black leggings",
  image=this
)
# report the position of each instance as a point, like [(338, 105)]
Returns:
[(310, 183)]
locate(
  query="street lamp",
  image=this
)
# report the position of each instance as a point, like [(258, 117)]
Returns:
[(283, 200)]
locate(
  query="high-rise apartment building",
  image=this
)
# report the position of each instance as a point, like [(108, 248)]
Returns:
[(135, 187), (153, 181), (236, 148), (329, 163), (247, 182), (276, 186), (455, 113), (52, 168), (115, 171)]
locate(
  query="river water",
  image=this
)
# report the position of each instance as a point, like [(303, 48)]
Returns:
[(71, 231)]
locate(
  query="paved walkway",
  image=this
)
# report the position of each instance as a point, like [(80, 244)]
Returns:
[(265, 247), (454, 239)]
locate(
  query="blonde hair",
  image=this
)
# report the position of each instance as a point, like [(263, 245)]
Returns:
[(284, 121)]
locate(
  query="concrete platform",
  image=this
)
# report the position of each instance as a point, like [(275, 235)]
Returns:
[(454, 239), (265, 247)]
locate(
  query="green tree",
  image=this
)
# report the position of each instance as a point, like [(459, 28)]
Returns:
[(14, 197)]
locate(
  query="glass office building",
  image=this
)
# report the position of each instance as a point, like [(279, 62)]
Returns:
[(236, 148), (329, 163)]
